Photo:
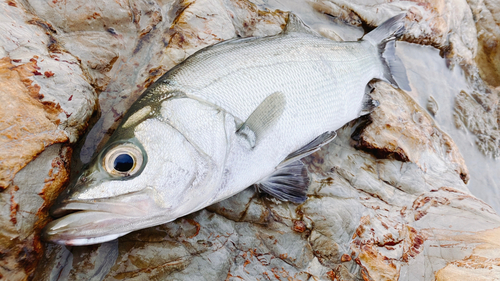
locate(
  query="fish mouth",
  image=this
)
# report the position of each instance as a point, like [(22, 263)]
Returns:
[(93, 221), (85, 228)]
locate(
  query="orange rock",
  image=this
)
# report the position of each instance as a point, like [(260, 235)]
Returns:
[(27, 125)]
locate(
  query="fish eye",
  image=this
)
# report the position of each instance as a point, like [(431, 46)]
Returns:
[(124, 163), (123, 160)]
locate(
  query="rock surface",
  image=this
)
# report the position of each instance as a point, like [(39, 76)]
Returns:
[(46, 101), (388, 200)]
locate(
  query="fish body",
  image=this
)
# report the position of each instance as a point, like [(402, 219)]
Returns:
[(238, 113)]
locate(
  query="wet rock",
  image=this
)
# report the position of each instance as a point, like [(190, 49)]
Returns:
[(476, 109)]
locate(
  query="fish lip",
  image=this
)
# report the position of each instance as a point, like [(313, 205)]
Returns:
[(72, 206), (133, 204), (85, 228), (92, 221)]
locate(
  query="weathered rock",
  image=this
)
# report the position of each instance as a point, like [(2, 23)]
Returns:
[(46, 102), (27, 124), (487, 18), (400, 129), (355, 224), (444, 24), (479, 115), (388, 198)]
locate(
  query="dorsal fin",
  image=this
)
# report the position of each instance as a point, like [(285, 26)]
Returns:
[(263, 117), (296, 25)]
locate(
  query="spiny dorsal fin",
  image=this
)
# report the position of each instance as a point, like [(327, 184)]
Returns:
[(295, 24), (287, 183), (309, 148), (263, 118)]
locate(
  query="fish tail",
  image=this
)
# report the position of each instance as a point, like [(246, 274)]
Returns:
[(384, 38)]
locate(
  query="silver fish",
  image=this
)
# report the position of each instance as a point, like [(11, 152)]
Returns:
[(241, 112)]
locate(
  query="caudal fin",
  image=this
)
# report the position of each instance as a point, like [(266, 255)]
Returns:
[(383, 37)]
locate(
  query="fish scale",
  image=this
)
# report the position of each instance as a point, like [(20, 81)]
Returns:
[(238, 113), (335, 95)]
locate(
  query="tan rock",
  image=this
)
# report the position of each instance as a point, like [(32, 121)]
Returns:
[(24, 210), (27, 125), (407, 133), (46, 101), (430, 22), (487, 19), (482, 264)]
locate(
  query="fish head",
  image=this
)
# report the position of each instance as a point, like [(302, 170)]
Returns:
[(148, 173)]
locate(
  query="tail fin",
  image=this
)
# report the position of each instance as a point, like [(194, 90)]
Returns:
[(383, 37)]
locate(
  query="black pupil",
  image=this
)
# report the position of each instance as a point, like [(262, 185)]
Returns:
[(124, 163)]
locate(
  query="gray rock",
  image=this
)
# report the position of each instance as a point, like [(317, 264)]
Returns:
[(389, 197)]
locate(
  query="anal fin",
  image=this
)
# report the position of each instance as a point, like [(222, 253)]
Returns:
[(309, 148), (287, 183)]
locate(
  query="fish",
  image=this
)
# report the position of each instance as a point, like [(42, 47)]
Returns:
[(238, 113)]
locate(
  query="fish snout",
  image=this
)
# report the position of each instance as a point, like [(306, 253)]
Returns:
[(90, 221), (133, 204), (85, 228)]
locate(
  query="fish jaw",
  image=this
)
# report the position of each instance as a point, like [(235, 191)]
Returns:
[(100, 220), (84, 228)]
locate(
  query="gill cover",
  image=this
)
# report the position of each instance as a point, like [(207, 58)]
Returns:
[(150, 177)]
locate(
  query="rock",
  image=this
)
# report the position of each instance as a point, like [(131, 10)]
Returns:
[(408, 133), (28, 125), (388, 198), (431, 21), (46, 103), (487, 19), (481, 119), (476, 109), (432, 106)]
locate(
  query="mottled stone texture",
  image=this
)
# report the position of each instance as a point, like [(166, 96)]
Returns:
[(46, 101), (28, 125), (388, 198), (487, 19)]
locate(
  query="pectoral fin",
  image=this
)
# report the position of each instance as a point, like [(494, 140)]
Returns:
[(263, 118), (309, 148), (287, 183)]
